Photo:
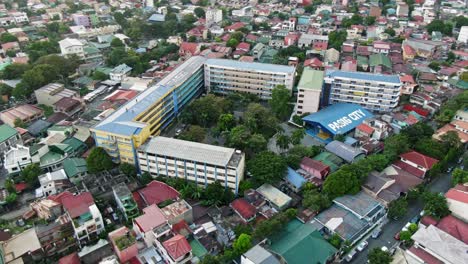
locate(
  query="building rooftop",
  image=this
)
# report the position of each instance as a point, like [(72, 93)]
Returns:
[(361, 204), (6, 132), (251, 66), (194, 151), (274, 195), (20, 245), (295, 178), (344, 151), (175, 209), (419, 159), (301, 243), (77, 205), (122, 121), (259, 255), (177, 246), (74, 166), (152, 217), (311, 80), (395, 79), (156, 192)]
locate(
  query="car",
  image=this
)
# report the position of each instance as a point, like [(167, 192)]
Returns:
[(397, 236), (362, 246), (376, 233), (405, 228), (384, 249), (450, 170), (415, 219), (178, 131), (350, 256)]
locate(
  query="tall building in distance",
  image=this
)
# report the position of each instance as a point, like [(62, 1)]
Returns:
[(309, 91), (225, 76), (213, 16), (375, 92), (193, 161), (121, 133)]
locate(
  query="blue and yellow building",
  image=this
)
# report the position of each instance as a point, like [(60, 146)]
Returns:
[(121, 133)]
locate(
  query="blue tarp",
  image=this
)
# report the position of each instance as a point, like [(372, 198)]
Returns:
[(338, 118)]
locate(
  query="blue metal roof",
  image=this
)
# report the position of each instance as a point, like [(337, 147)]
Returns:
[(122, 120), (254, 66), (295, 178), (339, 118), (363, 76)]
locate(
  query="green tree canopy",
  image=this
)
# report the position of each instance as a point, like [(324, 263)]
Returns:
[(279, 103), (7, 37), (378, 256), (397, 208), (194, 133), (242, 244), (15, 71), (98, 160), (128, 169), (459, 176), (31, 173), (435, 205), (336, 39), (199, 12), (267, 167)]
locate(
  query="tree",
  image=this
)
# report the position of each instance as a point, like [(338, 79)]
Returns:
[(242, 244), (378, 256), (7, 37), (434, 66), (48, 110), (336, 39), (297, 136), (37, 49), (405, 235), (259, 119), (459, 176), (15, 71), (199, 12), (128, 169), (194, 133), (314, 200), (226, 122), (98, 160), (460, 21), (10, 186), (390, 31), (451, 57), (232, 43), (145, 178), (19, 123), (298, 152), (335, 240), (267, 167), (31, 173), (395, 145), (100, 76), (435, 205), (339, 137), (370, 20), (340, 183), (397, 208), (256, 143), (280, 97), (11, 198), (440, 25), (282, 141)]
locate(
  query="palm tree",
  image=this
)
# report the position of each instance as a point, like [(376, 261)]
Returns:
[(297, 136), (197, 193), (282, 141)]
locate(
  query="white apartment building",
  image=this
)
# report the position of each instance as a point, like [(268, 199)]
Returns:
[(306, 40), (51, 183), (309, 91), (375, 92), (197, 162), (20, 17), (213, 15), (225, 76), (70, 46)]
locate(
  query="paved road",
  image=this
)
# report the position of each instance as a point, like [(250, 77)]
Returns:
[(441, 184)]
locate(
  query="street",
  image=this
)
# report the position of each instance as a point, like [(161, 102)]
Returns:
[(441, 184)]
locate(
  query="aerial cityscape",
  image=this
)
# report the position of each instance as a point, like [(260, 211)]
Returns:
[(233, 132)]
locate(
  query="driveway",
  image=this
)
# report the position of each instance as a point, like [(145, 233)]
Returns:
[(440, 184)]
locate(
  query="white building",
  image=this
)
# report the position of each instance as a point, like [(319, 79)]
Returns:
[(70, 46), (20, 17), (201, 163), (17, 158), (53, 92), (463, 35), (213, 15), (375, 92), (309, 91), (120, 72), (51, 183), (457, 198), (225, 76)]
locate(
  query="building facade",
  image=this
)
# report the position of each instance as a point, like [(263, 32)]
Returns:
[(197, 162), (9, 138), (71, 46), (374, 92), (309, 91), (226, 76), (121, 133)]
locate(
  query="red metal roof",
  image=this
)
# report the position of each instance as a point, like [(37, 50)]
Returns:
[(420, 159), (181, 225), (152, 217), (408, 168), (455, 227), (457, 195), (425, 256), (416, 109), (242, 207), (156, 192), (77, 205), (428, 220), (314, 164), (21, 186), (365, 128), (70, 259), (177, 246)]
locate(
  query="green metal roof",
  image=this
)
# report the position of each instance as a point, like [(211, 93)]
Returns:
[(302, 243), (361, 61), (311, 80), (75, 144), (74, 166), (6, 132), (379, 59), (197, 248), (329, 159)]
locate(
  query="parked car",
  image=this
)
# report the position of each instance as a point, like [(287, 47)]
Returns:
[(450, 170), (415, 219), (376, 233), (178, 131), (384, 249), (397, 236), (405, 228), (362, 245), (350, 256)]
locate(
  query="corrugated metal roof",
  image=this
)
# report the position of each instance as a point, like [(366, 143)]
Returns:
[(363, 76), (252, 66)]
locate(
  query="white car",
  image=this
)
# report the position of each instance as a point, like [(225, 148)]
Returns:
[(384, 249), (362, 246), (350, 256)]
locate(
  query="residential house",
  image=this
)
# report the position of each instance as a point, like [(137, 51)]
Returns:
[(346, 152), (47, 208), (457, 201), (415, 163), (315, 168), (275, 197), (9, 137), (409, 85), (245, 210), (52, 183), (52, 93), (75, 169), (56, 237), (70, 46), (69, 106), (458, 125), (258, 255), (124, 243), (21, 248), (351, 217), (125, 201), (188, 49), (120, 72), (25, 113)]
